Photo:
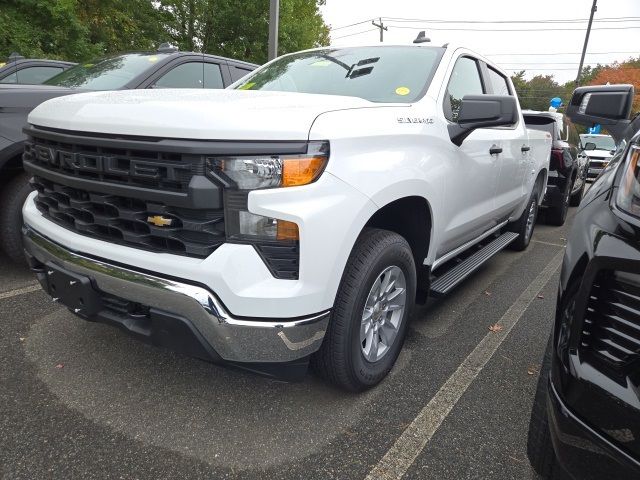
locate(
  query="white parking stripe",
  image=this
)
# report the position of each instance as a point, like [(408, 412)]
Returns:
[(20, 291), (408, 446)]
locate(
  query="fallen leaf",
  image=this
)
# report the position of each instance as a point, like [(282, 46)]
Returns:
[(496, 328), (22, 339), (532, 370), (540, 296), (60, 365), (487, 293), (563, 239)]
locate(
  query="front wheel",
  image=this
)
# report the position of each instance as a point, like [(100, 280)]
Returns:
[(576, 197), (557, 214), (525, 224), (371, 311), (12, 198)]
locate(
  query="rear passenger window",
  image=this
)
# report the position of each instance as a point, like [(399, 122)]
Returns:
[(186, 75), (465, 80), (237, 73), (499, 83), (212, 76)]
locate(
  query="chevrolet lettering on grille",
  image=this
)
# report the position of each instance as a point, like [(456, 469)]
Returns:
[(108, 164)]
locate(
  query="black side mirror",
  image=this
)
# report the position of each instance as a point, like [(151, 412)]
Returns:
[(604, 104), (483, 111), (590, 146)]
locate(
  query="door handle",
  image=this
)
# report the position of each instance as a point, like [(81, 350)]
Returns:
[(495, 150), (525, 148)]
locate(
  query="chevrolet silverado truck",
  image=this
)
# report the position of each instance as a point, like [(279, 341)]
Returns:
[(165, 68), (296, 216)]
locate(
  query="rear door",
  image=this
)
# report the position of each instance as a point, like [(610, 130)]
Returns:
[(514, 159), (469, 202)]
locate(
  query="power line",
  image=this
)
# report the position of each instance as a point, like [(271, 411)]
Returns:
[(511, 29), (568, 20), (353, 24), (356, 33)]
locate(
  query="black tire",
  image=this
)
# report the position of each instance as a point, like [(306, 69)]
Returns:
[(520, 226), (13, 196), (576, 198), (539, 447), (557, 214), (340, 359)]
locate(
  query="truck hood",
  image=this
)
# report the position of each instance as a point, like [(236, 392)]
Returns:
[(598, 153), (29, 96), (194, 114)]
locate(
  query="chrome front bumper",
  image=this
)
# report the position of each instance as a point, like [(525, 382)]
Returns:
[(233, 339)]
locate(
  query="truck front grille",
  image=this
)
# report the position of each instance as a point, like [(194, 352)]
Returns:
[(146, 168), (129, 221), (611, 328)]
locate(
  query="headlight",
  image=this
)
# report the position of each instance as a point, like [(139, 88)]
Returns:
[(269, 171), (242, 174), (628, 198)]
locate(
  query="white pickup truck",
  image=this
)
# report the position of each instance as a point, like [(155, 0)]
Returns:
[(296, 216)]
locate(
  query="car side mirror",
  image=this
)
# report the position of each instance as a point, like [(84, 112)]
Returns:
[(590, 146), (483, 111), (602, 104)]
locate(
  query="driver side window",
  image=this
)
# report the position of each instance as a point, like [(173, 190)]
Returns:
[(465, 80)]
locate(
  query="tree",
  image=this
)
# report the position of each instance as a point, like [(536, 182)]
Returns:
[(44, 28), (625, 72), (240, 29)]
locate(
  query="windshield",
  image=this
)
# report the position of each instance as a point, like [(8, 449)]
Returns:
[(603, 142), (110, 73), (377, 74)]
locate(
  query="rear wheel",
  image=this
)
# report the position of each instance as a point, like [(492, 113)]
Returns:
[(557, 214), (370, 314), (12, 198), (525, 224), (576, 197)]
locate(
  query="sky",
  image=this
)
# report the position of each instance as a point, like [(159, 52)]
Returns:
[(554, 51)]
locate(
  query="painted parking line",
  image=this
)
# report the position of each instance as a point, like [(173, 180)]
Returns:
[(412, 441), (35, 286)]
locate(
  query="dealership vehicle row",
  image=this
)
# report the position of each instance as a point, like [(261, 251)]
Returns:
[(299, 214)]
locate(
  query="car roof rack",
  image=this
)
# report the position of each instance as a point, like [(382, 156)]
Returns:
[(15, 56), (422, 38), (167, 47)]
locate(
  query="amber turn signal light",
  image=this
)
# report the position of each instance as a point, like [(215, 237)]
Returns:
[(302, 171)]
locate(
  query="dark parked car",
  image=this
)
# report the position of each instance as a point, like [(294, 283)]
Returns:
[(586, 415), (29, 71), (166, 68), (567, 172)]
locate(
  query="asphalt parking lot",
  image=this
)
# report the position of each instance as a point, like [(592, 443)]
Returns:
[(82, 400)]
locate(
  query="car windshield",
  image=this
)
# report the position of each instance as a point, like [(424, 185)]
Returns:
[(377, 74), (603, 142), (110, 73)]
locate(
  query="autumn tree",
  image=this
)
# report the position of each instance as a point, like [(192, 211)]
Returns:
[(625, 72)]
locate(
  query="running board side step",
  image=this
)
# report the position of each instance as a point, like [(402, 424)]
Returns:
[(450, 279)]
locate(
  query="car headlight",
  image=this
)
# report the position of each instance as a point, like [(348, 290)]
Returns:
[(628, 198), (242, 174)]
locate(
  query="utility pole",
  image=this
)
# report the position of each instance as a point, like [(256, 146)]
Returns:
[(594, 7), (381, 27), (274, 19)]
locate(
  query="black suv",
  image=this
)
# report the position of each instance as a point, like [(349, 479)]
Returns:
[(586, 415), (567, 172), (30, 71), (165, 68)]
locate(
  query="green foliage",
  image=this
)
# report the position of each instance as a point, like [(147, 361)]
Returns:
[(239, 29), (84, 29)]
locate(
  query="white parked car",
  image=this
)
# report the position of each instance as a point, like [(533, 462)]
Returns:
[(296, 216), (598, 150)]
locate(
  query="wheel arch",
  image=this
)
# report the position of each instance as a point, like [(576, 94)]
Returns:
[(412, 218)]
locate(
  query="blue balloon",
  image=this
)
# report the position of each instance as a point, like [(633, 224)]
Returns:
[(556, 102), (595, 130)]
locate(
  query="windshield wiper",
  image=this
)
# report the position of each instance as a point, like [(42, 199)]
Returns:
[(352, 71)]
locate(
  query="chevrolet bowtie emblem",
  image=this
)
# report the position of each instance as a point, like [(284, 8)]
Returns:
[(160, 221)]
